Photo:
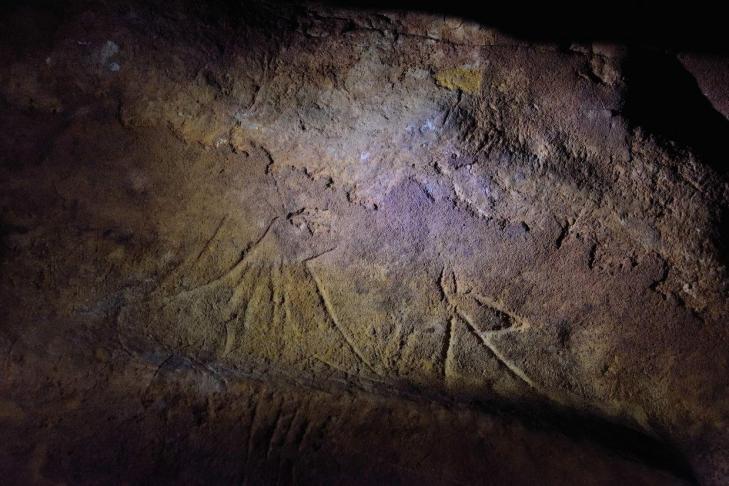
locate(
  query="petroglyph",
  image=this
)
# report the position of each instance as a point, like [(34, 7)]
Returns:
[(484, 317)]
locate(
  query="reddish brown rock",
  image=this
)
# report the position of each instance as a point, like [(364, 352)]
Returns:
[(324, 245)]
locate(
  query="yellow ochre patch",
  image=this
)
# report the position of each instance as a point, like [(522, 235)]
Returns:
[(466, 79)]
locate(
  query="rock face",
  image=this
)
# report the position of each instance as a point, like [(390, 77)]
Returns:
[(309, 245)]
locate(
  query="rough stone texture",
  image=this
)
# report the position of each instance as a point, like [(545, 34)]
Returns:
[(318, 245), (712, 74)]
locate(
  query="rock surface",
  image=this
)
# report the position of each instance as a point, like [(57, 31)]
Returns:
[(307, 244)]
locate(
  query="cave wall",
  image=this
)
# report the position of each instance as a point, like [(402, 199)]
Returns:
[(314, 244)]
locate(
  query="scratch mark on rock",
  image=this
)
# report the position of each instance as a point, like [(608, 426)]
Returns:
[(156, 373), (239, 289), (513, 323), (446, 352), (563, 234), (229, 338), (332, 317), (283, 440), (251, 432), (272, 294), (591, 256), (269, 157), (317, 255), (425, 190), (452, 108), (441, 287), (276, 424), (513, 368), (447, 285), (331, 365), (206, 247), (237, 266), (304, 434), (209, 369), (252, 246), (255, 298)]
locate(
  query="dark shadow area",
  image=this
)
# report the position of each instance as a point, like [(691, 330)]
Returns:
[(722, 238), (7, 229), (696, 26), (615, 438), (690, 26), (618, 439), (537, 414), (664, 99)]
